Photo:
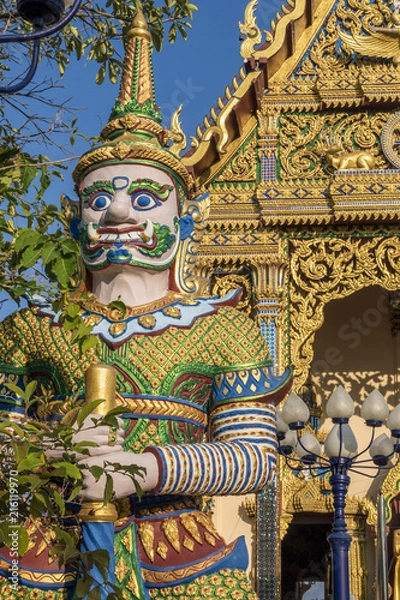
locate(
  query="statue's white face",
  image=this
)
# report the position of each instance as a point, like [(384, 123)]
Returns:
[(129, 216)]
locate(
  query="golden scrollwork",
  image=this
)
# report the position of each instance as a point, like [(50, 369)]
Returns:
[(310, 143), (225, 283), (389, 139), (121, 569), (382, 42), (133, 585), (249, 29), (391, 489), (162, 550), (326, 269), (290, 11), (188, 543), (190, 525), (362, 27), (176, 134), (243, 166), (188, 280), (371, 511), (250, 506), (131, 123), (125, 150)]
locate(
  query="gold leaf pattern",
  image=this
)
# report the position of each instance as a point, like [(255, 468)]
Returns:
[(127, 540), (171, 532), (188, 543), (121, 570), (146, 534), (191, 526), (162, 550), (147, 321)]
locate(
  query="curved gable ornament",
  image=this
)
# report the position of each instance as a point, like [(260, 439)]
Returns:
[(291, 10), (330, 268), (382, 42)]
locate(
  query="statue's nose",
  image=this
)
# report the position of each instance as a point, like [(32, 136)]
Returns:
[(120, 211)]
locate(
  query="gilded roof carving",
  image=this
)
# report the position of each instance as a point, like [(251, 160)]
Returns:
[(320, 146), (234, 117)]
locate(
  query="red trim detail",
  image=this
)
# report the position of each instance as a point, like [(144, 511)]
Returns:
[(160, 468)]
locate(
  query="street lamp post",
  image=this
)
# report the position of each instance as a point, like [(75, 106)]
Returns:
[(340, 457), (47, 17)]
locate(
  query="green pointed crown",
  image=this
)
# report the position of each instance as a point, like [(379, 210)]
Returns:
[(134, 131)]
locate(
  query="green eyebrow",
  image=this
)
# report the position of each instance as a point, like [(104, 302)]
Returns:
[(162, 191), (97, 186)]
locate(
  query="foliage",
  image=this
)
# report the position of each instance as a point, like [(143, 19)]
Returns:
[(40, 481), (95, 34)]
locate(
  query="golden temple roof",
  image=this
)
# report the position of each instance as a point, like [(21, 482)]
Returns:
[(235, 114)]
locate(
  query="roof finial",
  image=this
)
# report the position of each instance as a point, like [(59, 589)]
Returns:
[(136, 94), (134, 131)]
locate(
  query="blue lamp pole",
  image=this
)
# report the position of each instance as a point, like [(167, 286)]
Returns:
[(339, 539), (47, 17), (340, 457)]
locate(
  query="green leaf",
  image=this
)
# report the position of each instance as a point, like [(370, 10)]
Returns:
[(63, 269), (49, 252), (64, 536), (108, 491), (96, 471), (28, 175), (70, 417), (26, 238), (31, 463), (95, 593), (75, 492), (83, 586), (30, 256), (72, 310), (70, 245), (88, 342), (87, 409), (100, 75), (19, 392), (10, 425), (60, 502), (70, 470), (29, 390), (120, 306)]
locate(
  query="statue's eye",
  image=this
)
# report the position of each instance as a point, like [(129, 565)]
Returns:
[(100, 201), (144, 201)]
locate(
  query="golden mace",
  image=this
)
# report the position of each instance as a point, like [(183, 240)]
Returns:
[(100, 383)]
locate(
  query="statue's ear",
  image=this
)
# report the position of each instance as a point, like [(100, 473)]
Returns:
[(71, 209), (186, 226), (74, 228)]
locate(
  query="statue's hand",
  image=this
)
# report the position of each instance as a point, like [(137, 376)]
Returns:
[(123, 482), (106, 440)]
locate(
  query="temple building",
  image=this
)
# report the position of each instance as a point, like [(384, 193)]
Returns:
[(298, 170)]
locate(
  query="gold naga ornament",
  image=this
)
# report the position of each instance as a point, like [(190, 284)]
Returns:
[(382, 42)]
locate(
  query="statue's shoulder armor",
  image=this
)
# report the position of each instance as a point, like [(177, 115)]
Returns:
[(176, 310)]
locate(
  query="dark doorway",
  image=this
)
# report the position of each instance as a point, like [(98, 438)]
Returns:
[(305, 559)]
